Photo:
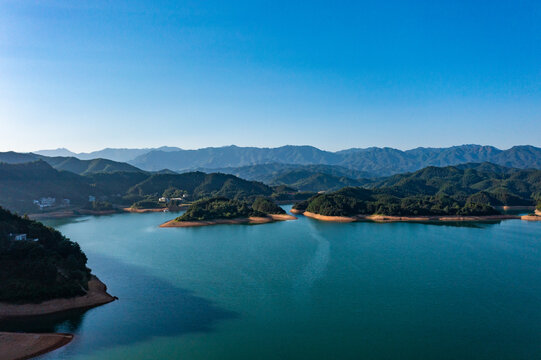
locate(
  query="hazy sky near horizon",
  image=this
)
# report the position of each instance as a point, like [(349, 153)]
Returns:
[(92, 74)]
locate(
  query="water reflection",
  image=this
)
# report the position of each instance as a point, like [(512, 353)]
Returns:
[(147, 307)]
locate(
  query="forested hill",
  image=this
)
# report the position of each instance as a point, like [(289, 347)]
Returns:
[(199, 185), (472, 189), (43, 266), (505, 186), (314, 181), (300, 177), (268, 172), (376, 161), (21, 184), (72, 164)]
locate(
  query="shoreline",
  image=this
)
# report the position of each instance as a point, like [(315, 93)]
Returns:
[(253, 220), (82, 212), (141, 211), (71, 213), (433, 218), (507, 207), (96, 295), (21, 346)]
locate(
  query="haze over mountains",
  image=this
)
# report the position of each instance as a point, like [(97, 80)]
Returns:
[(26, 177), (373, 162), (72, 164), (108, 153)]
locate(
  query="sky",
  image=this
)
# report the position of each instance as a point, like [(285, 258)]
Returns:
[(333, 74)]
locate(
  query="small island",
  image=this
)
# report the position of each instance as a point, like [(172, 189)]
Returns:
[(221, 210), (41, 272)]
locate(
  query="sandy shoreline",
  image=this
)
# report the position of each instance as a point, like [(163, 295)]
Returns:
[(253, 220), (19, 346), (536, 217), (385, 218), (506, 208), (96, 295), (140, 211), (296, 211)]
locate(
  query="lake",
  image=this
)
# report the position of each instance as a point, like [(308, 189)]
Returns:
[(305, 290)]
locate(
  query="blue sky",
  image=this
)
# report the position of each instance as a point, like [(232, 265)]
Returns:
[(92, 74)]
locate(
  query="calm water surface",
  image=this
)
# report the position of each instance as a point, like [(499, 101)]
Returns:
[(305, 290)]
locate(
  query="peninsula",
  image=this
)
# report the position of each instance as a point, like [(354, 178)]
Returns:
[(41, 272), (219, 210)]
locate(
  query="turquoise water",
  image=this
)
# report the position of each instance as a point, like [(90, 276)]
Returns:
[(305, 290)]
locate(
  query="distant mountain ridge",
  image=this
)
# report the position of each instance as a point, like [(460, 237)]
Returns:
[(122, 155), (301, 177), (374, 161), (72, 164)]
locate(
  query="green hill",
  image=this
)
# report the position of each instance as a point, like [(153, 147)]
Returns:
[(199, 185), (21, 184), (309, 181), (507, 186), (472, 189), (217, 208), (77, 166), (38, 270), (224, 208), (268, 173), (83, 167)]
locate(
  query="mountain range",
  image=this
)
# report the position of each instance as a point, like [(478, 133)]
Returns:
[(123, 155), (22, 183), (72, 164), (374, 161)]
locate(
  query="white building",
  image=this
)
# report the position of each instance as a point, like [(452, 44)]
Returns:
[(45, 202), (17, 237)]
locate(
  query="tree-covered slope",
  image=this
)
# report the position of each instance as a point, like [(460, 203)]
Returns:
[(72, 164), (267, 173), (507, 186), (355, 201), (199, 184), (218, 208), (83, 167), (34, 271), (224, 208), (20, 184), (472, 189), (313, 181)]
